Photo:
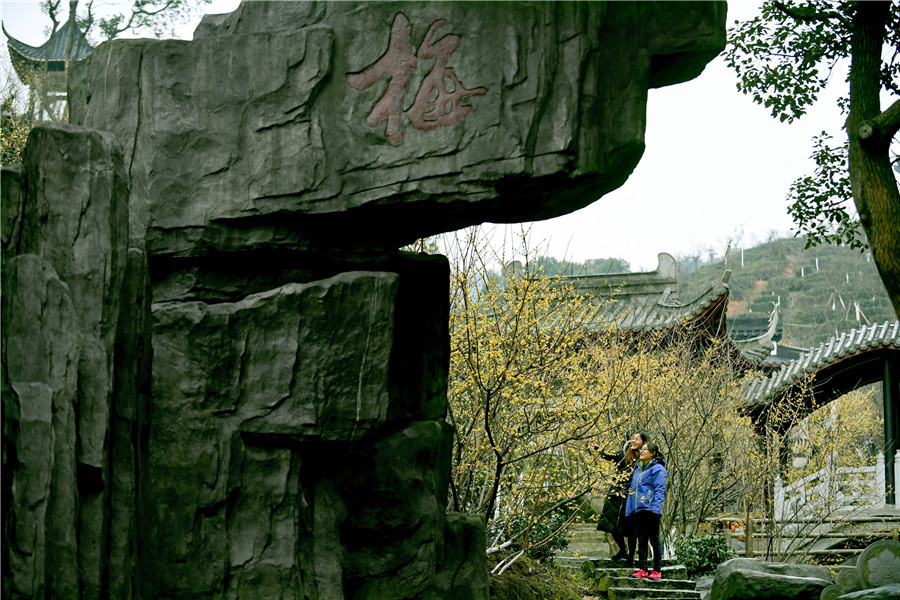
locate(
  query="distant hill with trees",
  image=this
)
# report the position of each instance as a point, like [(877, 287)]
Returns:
[(822, 291), (554, 267)]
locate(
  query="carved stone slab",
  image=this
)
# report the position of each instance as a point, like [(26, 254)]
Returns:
[(879, 564), (877, 574)]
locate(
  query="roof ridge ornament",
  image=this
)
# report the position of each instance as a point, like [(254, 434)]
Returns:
[(726, 276)]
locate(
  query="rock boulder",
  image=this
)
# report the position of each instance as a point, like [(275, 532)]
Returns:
[(752, 579), (75, 356)]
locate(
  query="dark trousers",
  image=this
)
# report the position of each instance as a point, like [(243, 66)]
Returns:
[(630, 533), (646, 527)]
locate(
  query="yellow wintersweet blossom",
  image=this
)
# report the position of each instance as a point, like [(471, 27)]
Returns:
[(529, 391)]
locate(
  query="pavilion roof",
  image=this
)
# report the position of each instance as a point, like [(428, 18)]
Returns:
[(56, 46), (649, 301), (850, 343)]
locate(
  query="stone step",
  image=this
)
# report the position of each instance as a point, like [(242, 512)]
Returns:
[(570, 562), (664, 583), (587, 538), (650, 593), (605, 563), (584, 528), (586, 552), (590, 537), (606, 577)]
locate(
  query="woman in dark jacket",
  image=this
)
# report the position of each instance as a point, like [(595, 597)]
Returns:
[(612, 517), (643, 507)]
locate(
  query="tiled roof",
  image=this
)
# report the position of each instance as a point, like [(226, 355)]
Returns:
[(57, 46), (757, 391), (782, 355), (647, 301), (756, 354)]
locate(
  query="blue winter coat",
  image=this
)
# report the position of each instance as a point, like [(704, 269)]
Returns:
[(648, 487)]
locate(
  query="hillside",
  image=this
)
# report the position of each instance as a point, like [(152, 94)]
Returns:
[(823, 291)]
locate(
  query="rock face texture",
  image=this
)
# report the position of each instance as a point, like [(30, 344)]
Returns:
[(221, 379), (296, 433), (75, 335), (308, 122)]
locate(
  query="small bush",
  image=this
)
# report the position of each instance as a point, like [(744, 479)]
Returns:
[(701, 554)]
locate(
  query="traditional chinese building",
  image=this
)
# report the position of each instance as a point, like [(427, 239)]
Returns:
[(638, 303), (649, 301)]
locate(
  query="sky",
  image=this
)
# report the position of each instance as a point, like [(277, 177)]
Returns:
[(717, 167)]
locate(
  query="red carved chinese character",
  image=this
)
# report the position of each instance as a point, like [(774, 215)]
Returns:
[(434, 105)]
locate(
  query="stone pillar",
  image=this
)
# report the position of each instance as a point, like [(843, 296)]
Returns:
[(891, 395), (896, 494)]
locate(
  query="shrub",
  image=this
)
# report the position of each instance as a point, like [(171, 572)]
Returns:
[(701, 554)]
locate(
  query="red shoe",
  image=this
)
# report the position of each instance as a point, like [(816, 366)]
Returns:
[(654, 575), (641, 574)]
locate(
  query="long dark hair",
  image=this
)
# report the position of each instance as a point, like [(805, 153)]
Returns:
[(631, 454)]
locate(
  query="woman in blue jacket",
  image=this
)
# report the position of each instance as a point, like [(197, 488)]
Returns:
[(644, 506)]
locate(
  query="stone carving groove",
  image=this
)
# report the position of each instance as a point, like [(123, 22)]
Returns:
[(221, 379)]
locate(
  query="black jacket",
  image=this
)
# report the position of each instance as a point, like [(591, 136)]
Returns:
[(612, 516)]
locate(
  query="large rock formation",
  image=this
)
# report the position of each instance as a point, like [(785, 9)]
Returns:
[(289, 440), (316, 126)]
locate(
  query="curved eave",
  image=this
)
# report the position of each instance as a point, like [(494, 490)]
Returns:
[(755, 351), (56, 46), (22, 49), (754, 355), (766, 337)]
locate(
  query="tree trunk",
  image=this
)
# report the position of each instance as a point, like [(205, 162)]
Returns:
[(872, 179), (73, 6)]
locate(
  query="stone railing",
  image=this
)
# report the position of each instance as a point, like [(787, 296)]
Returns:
[(836, 491)]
